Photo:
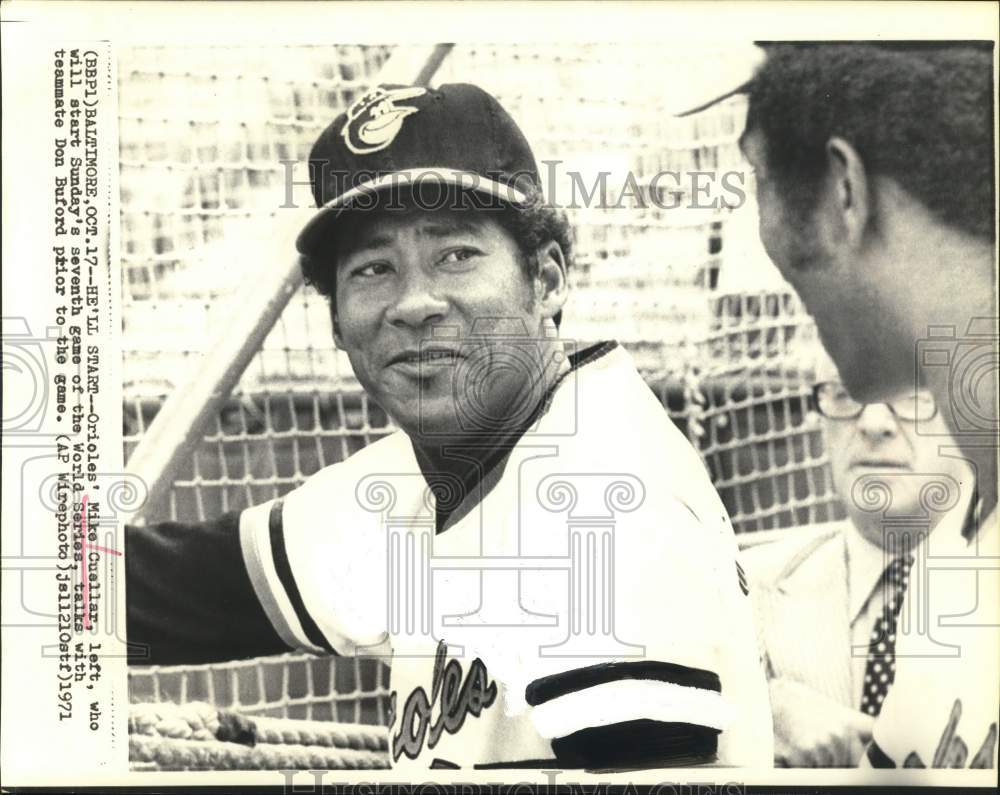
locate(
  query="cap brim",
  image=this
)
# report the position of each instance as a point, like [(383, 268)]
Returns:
[(732, 75), (743, 88), (317, 230)]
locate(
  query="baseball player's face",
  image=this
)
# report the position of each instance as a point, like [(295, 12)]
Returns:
[(440, 321), (837, 282)]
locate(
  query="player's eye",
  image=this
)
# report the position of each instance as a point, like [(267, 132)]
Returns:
[(459, 255), (371, 269)]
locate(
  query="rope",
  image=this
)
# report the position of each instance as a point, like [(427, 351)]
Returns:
[(355, 736), (193, 721), (196, 735), (166, 753)]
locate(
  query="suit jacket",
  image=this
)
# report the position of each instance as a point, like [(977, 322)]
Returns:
[(799, 590)]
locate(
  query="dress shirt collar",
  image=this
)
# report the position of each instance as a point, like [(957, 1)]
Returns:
[(865, 564)]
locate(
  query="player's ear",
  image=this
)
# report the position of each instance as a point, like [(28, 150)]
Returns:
[(551, 285), (333, 320), (846, 203)]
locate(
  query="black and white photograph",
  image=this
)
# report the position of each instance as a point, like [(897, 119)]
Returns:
[(466, 405)]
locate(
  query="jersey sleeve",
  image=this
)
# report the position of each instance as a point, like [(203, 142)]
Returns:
[(189, 597), (318, 581), (265, 553), (317, 557), (696, 693), (627, 715)]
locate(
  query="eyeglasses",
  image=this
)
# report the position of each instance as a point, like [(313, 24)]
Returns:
[(833, 401)]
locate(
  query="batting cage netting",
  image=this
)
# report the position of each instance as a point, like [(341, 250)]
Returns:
[(205, 153)]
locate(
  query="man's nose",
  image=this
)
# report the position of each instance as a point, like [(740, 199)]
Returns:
[(877, 420), (418, 302)]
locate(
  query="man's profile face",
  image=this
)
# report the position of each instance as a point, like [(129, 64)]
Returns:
[(422, 299), (788, 234), (835, 284)]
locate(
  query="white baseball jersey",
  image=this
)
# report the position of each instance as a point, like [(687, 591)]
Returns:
[(942, 709), (583, 609)]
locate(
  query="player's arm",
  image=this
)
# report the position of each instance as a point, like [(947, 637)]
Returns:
[(189, 597)]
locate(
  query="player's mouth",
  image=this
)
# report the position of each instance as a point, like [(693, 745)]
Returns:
[(423, 362)]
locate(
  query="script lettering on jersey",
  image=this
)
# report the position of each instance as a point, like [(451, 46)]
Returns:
[(951, 749), (458, 698)]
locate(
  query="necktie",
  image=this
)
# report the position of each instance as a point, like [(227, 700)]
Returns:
[(880, 667)]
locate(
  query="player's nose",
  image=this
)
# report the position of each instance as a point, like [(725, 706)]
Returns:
[(419, 301)]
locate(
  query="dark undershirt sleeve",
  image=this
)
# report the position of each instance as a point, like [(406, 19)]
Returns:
[(189, 598)]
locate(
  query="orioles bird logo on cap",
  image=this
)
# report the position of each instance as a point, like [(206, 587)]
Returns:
[(374, 121)]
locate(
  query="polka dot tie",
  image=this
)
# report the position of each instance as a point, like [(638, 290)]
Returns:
[(880, 668)]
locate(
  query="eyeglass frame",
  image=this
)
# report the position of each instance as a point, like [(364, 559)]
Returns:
[(862, 406)]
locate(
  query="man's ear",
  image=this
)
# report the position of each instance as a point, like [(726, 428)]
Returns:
[(552, 288), (333, 320), (848, 203)]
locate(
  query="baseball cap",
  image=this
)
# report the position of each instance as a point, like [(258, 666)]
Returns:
[(734, 73), (396, 135)]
